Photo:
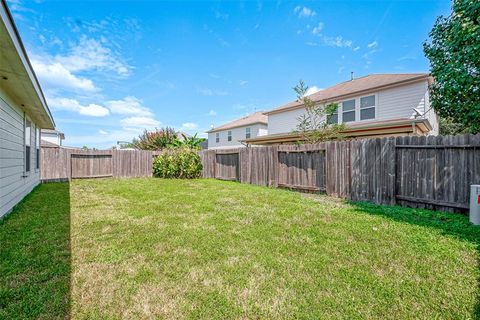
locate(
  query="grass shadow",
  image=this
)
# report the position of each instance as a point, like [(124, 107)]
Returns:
[(35, 256), (450, 224)]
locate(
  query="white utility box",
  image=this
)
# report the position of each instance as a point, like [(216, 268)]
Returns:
[(475, 203)]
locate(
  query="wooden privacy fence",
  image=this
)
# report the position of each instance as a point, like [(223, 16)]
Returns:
[(426, 172), (65, 164)]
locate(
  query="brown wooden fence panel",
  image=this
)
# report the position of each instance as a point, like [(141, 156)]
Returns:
[(91, 165), (303, 170), (227, 166), (436, 172), (65, 164)]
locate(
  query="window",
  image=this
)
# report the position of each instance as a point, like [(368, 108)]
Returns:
[(348, 111), (333, 118), (28, 137), (229, 135), (248, 133), (367, 108), (217, 137), (37, 147)]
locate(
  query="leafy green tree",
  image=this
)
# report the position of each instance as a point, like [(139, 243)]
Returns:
[(454, 54), (315, 124), (156, 140), (192, 142)]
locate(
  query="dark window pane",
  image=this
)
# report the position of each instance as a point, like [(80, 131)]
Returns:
[(367, 114), (348, 105), (349, 116), (332, 119), (27, 158), (38, 158), (366, 102)]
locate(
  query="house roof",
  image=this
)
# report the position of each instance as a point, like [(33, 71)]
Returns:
[(48, 144), (357, 86), (257, 117), (17, 77)]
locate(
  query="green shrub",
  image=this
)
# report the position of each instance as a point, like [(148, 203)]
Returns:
[(183, 163)]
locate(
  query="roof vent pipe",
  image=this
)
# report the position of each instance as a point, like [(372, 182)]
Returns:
[(352, 75)]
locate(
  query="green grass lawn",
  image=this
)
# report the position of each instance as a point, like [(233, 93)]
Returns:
[(152, 248)]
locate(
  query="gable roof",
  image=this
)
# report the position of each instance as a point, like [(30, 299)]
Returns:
[(257, 117), (357, 86)]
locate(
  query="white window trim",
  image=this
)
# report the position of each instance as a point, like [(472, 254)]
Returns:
[(374, 106), (229, 136), (357, 108), (38, 142), (25, 120), (217, 137), (249, 132)]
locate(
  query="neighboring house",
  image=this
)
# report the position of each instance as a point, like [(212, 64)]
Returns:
[(23, 112), (372, 106), (231, 134), (50, 137)]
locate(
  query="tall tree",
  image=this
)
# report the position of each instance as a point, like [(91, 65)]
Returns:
[(454, 54)]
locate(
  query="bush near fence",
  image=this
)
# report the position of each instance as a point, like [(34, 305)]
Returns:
[(432, 172)]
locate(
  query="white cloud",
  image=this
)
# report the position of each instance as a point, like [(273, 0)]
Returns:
[(55, 75), (102, 132), (90, 54), (312, 90), (210, 92), (372, 45), (338, 41), (304, 12), (212, 113), (356, 48), (140, 122), (92, 110), (316, 30), (189, 126), (129, 106), (243, 82)]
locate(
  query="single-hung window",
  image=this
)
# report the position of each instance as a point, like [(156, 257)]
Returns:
[(229, 135), (28, 137), (348, 110), (248, 133), (217, 137), (333, 118), (37, 147), (367, 108)]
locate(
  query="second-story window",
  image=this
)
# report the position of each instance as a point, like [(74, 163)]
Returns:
[(367, 108), (348, 110), (229, 135), (333, 118), (217, 137), (248, 133)]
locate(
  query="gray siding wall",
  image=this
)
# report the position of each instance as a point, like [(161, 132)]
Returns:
[(15, 184)]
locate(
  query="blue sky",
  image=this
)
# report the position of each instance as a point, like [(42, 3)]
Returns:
[(111, 69)]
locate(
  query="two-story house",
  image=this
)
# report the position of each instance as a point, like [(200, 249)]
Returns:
[(232, 133), (372, 106)]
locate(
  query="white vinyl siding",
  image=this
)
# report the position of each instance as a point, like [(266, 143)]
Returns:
[(390, 104), (237, 134), (14, 184)]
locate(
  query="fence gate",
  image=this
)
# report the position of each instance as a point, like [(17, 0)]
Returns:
[(91, 165), (304, 170), (227, 166)]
